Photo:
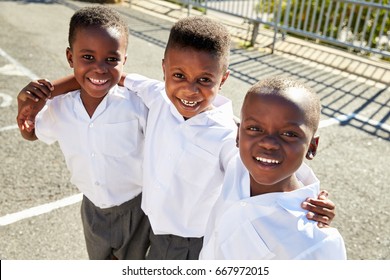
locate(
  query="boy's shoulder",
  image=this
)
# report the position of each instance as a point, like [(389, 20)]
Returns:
[(128, 95), (65, 98), (222, 114)]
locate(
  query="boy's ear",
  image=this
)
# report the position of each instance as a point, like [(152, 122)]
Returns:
[(69, 56), (238, 133), (224, 78), (312, 148), (163, 68)]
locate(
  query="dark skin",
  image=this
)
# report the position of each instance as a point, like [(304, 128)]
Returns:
[(33, 96)]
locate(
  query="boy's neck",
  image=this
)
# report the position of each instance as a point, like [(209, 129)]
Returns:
[(90, 103), (287, 185), (211, 107)]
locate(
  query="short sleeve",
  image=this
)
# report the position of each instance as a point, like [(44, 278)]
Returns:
[(45, 124), (147, 89)]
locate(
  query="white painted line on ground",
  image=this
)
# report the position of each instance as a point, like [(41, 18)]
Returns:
[(23, 69), (39, 210), (7, 100), (9, 127)]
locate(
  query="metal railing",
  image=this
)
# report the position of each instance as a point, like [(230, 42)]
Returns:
[(360, 26)]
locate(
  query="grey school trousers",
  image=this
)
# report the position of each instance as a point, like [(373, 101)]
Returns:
[(172, 247), (120, 232)]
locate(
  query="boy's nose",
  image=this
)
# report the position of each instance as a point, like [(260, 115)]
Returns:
[(269, 142), (193, 88), (101, 67)]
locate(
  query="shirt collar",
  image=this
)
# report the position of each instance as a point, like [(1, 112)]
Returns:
[(79, 107), (290, 201)]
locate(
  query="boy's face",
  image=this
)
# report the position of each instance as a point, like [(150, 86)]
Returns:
[(274, 138), (192, 79), (97, 57)]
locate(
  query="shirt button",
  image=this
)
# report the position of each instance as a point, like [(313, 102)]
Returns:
[(97, 183), (90, 125), (243, 203), (92, 154)]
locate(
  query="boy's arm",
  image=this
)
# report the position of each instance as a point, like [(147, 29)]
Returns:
[(64, 85), (321, 209), (147, 89), (32, 97), (31, 100), (44, 89)]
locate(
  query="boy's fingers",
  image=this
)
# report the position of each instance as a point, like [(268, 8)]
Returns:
[(327, 203), (46, 87), (322, 221), (29, 125), (40, 89), (323, 194), (326, 210), (32, 96)]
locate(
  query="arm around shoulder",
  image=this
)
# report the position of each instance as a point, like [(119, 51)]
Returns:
[(147, 89)]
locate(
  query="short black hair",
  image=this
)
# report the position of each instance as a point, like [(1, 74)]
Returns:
[(279, 85), (96, 16), (202, 34)]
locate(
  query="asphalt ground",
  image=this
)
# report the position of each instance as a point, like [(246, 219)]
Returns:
[(39, 208)]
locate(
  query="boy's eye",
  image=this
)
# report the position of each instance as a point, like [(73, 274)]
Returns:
[(88, 57), (178, 75), (112, 59), (204, 80), (253, 128), (290, 134)]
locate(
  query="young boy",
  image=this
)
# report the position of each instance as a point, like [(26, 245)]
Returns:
[(190, 137), (100, 129), (258, 214)]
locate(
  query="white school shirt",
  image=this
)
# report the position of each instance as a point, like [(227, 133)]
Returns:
[(184, 162), (268, 226), (104, 153)]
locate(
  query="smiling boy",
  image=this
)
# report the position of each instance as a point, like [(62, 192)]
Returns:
[(100, 130), (258, 215)]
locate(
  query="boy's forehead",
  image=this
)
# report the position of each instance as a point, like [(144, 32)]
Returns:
[(192, 53), (111, 31), (100, 33), (296, 95), (174, 50), (296, 99)]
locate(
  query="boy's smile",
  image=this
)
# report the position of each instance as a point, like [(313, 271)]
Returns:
[(273, 140), (192, 79)]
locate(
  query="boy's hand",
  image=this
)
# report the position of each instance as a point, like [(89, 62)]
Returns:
[(321, 209), (31, 100), (36, 90), (26, 115)]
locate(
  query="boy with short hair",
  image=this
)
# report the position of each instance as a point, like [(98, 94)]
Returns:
[(100, 129), (258, 214), (190, 137)]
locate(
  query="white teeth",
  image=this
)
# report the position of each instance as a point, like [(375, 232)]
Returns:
[(266, 160), (188, 103), (98, 82)]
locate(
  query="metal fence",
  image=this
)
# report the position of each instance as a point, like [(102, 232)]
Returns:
[(360, 26)]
